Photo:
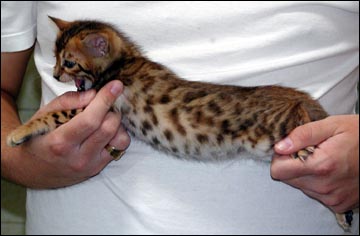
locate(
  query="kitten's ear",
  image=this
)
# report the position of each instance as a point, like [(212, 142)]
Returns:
[(96, 45), (61, 24)]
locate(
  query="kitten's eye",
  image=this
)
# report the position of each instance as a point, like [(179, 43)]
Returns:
[(69, 64)]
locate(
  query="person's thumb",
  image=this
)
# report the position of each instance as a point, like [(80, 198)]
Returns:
[(303, 136)]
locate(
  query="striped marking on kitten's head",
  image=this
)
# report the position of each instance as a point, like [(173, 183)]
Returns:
[(90, 52)]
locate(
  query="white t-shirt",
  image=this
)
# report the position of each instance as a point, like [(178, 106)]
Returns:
[(312, 46)]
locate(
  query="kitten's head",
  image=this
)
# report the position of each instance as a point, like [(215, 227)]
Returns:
[(86, 50)]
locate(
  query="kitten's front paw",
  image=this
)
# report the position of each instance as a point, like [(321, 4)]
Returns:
[(303, 154), (17, 137)]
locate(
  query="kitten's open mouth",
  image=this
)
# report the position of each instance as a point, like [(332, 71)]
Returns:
[(82, 83)]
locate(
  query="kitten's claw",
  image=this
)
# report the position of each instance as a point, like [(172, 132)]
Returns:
[(303, 154)]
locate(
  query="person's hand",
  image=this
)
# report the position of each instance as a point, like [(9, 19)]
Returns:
[(331, 174), (75, 151)]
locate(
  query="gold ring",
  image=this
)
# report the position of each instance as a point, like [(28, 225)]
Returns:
[(114, 152)]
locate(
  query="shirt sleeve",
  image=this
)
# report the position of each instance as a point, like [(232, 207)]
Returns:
[(18, 25)]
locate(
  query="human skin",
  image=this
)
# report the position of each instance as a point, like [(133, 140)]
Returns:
[(73, 152), (331, 174)]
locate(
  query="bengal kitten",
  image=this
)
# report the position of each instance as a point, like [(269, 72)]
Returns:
[(191, 120)]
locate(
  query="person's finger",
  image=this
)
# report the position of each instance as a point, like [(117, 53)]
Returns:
[(67, 101), (120, 141), (102, 136), (285, 167), (85, 123), (319, 164), (303, 136)]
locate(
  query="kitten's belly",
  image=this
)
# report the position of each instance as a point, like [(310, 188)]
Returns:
[(164, 138)]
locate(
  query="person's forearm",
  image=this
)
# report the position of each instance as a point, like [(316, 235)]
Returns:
[(13, 68), (9, 155), (18, 165)]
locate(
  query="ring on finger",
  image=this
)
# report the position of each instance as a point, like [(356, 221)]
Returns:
[(114, 152)]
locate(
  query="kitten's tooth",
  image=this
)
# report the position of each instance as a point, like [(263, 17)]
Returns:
[(87, 84)]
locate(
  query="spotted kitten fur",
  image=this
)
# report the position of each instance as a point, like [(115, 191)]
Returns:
[(191, 120)]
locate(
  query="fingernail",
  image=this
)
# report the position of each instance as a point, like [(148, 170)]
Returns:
[(116, 89), (284, 144)]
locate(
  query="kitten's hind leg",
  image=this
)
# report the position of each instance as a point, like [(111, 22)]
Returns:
[(345, 219)]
